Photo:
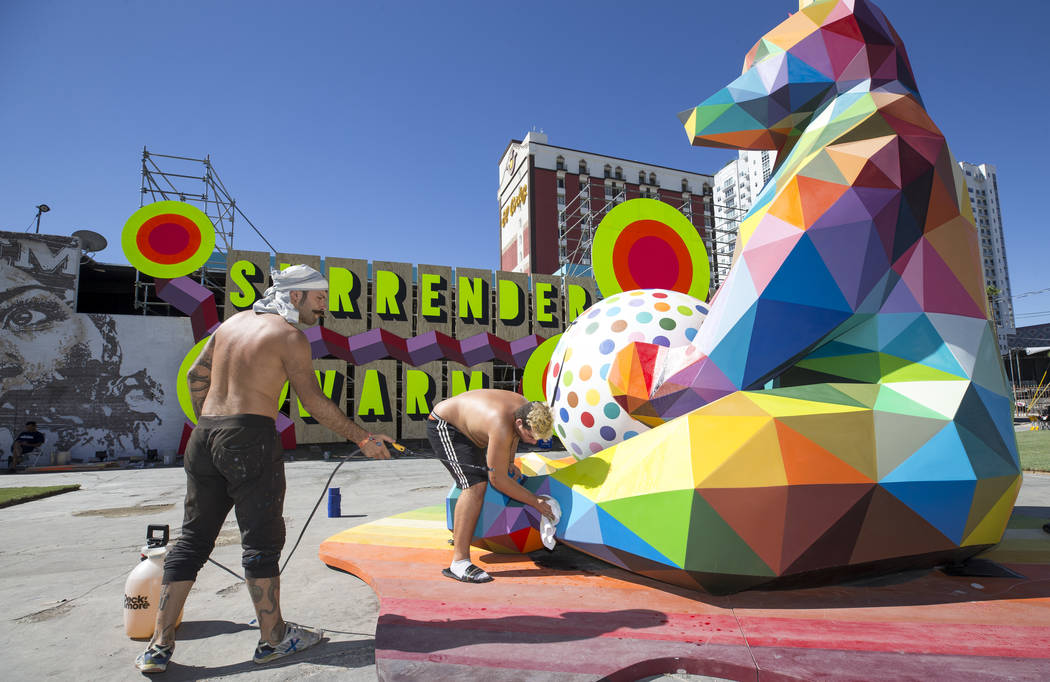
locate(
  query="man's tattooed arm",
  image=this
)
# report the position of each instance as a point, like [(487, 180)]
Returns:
[(199, 377)]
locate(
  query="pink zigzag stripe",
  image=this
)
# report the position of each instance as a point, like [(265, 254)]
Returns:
[(198, 302)]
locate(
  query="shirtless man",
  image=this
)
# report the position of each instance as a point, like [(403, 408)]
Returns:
[(234, 457), (482, 429)]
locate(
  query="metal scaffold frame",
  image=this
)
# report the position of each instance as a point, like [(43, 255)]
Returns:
[(206, 191), (166, 177)]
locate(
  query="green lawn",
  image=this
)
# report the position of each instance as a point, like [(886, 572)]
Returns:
[(1034, 447), (11, 496)]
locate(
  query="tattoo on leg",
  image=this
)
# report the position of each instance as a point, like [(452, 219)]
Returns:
[(163, 598)]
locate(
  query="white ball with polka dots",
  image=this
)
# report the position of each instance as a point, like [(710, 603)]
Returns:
[(586, 417)]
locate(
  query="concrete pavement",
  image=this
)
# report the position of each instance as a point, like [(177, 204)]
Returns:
[(65, 560)]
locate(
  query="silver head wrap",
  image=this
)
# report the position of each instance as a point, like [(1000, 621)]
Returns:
[(277, 299)]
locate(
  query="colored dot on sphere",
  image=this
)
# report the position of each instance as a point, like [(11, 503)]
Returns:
[(594, 313), (644, 317), (607, 432), (690, 333), (561, 430), (604, 371), (635, 337), (659, 294), (690, 350), (613, 312), (612, 410), (629, 434), (564, 415), (638, 292), (684, 310), (576, 449), (566, 379), (662, 341), (568, 354), (554, 370), (619, 325), (668, 324), (612, 299), (662, 307), (596, 447), (606, 346), (587, 419), (591, 327), (593, 397), (573, 399), (585, 372), (557, 392), (634, 302)]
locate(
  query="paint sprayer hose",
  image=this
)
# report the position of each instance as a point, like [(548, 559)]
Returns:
[(397, 446)]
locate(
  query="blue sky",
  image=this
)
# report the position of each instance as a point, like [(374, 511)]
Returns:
[(373, 130)]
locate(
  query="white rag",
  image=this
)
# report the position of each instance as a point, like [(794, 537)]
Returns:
[(277, 299), (546, 525)]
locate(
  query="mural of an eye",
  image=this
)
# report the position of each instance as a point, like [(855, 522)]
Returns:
[(29, 315), (168, 239), (647, 244)]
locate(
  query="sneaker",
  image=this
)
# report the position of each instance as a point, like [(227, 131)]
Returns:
[(155, 658), (296, 638)]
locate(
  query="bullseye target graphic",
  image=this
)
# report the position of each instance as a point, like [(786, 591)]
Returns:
[(647, 244), (168, 239)]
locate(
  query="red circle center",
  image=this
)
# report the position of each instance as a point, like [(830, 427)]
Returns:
[(169, 238), (652, 263)]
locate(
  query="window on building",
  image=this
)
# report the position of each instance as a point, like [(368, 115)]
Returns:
[(560, 164), (641, 177), (583, 167), (619, 173), (685, 185), (561, 183), (652, 179), (608, 171)]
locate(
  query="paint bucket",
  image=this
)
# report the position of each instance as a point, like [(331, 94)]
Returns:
[(334, 503), (169, 459)]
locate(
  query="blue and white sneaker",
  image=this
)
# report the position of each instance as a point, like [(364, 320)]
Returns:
[(296, 638), (155, 658)]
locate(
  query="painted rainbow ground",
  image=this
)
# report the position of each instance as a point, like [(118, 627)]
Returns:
[(564, 616)]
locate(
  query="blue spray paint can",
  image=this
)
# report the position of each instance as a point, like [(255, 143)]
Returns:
[(334, 503)]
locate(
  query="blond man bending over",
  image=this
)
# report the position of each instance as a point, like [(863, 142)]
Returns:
[(478, 430)]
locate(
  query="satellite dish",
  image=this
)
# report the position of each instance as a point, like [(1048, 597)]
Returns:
[(91, 241)]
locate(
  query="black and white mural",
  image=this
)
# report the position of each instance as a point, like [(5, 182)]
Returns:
[(91, 382)]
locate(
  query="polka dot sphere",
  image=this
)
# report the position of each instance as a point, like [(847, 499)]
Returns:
[(587, 419)]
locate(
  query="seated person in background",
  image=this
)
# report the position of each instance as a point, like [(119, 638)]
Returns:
[(26, 442)]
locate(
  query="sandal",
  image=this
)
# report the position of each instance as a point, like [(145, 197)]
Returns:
[(473, 574)]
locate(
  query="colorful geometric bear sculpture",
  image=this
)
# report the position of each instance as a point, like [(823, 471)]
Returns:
[(845, 411)]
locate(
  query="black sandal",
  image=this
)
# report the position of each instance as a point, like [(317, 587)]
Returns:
[(473, 574)]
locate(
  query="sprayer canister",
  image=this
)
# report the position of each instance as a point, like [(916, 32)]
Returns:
[(142, 594)]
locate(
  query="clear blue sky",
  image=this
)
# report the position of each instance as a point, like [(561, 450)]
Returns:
[(373, 130)]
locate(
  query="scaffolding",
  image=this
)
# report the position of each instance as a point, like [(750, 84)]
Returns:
[(194, 181), (579, 217)]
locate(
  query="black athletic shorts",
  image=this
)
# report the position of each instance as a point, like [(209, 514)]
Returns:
[(450, 443)]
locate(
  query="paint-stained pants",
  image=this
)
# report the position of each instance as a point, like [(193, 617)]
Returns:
[(233, 461)]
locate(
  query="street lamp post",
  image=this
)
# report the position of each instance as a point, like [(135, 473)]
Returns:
[(42, 208)]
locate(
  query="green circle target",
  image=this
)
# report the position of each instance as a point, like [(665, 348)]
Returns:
[(168, 239), (647, 244), (536, 369)]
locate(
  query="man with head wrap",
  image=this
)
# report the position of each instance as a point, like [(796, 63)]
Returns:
[(234, 458)]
